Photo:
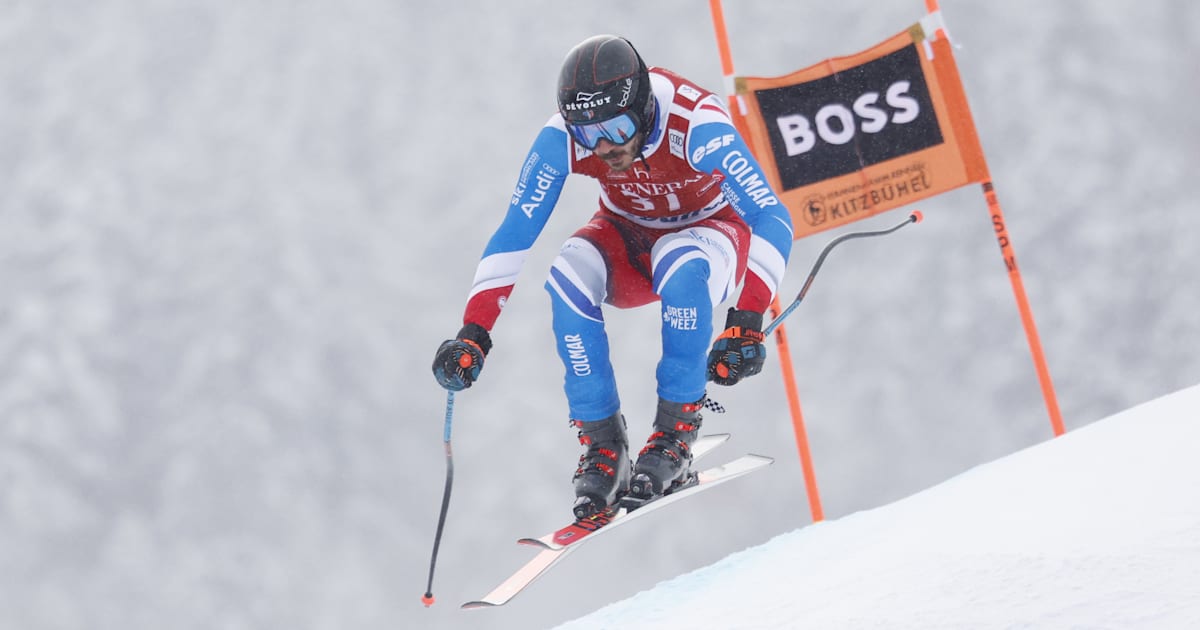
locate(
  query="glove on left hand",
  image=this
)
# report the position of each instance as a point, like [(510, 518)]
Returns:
[(738, 352), (458, 361)]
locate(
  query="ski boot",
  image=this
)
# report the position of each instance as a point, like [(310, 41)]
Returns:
[(604, 469), (664, 464)]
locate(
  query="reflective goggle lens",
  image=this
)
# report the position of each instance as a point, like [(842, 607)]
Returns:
[(617, 130)]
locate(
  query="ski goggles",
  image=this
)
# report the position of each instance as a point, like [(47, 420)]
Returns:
[(617, 130)]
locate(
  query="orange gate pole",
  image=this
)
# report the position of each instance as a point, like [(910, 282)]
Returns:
[(1018, 286), (785, 355), (1014, 273)]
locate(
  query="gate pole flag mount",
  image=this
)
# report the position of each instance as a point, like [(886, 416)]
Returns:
[(852, 137)]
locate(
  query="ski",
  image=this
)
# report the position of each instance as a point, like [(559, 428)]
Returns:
[(558, 544)]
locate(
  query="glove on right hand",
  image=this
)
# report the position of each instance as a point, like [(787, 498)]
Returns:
[(457, 363), (738, 352)]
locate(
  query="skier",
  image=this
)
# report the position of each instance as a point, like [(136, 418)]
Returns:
[(685, 216)]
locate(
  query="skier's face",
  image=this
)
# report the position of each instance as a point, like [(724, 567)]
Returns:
[(619, 157)]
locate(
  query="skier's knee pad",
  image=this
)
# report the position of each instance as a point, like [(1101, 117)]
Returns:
[(684, 281), (578, 278), (700, 256)]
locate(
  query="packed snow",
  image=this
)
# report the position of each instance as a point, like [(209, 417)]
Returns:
[(1097, 529)]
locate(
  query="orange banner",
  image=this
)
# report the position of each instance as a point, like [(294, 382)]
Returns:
[(854, 136)]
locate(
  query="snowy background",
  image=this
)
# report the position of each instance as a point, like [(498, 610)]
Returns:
[(233, 234), (1099, 529)]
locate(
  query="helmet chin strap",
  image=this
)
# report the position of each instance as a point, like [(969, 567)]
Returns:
[(641, 155), (641, 152)]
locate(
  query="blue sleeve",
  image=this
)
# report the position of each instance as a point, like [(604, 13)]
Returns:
[(543, 174), (718, 147)]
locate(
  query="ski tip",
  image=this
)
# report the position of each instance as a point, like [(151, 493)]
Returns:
[(427, 599), (534, 542), (478, 604)]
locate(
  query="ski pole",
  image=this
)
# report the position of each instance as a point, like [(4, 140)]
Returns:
[(427, 599), (915, 217)]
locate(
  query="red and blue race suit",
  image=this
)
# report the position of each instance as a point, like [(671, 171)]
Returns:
[(684, 226)]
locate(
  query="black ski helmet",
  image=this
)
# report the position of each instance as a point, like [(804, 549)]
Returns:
[(602, 78)]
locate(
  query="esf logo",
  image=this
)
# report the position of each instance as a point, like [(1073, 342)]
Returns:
[(837, 123), (712, 146)]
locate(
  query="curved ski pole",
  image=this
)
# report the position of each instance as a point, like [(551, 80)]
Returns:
[(915, 217), (427, 598)]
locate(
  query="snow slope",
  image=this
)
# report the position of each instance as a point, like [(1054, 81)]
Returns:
[(1096, 529)]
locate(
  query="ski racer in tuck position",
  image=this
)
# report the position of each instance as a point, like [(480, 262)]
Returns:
[(685, 216)]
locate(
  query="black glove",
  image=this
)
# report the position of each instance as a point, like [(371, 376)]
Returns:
[(738, 352), (458, 361)]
